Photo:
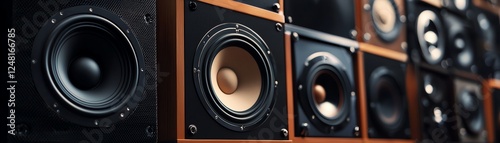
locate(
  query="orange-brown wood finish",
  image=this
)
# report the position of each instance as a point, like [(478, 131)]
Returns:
[(483, 4), (366, 26), (249, 9), (489, 113), (413, 101), (170, 54), (360, 84), (383, 52)]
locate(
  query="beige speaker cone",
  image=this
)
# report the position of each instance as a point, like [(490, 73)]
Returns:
[(325, 107), (235, 78), (384, 15)]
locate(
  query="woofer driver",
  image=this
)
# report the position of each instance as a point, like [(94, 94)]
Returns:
[(88, 66)]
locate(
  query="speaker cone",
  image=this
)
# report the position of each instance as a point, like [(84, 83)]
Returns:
[(385, 17), (235, 76), (430, 37), (386, 100), (471, 112), (86, 59), (325, 91)]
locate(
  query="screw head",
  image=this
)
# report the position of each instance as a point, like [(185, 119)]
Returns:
[(284, 132), (192, 5), (192, 129), (276, 7), (279, 27)]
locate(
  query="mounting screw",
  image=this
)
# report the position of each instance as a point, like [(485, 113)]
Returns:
[(192, 129), (354, 33), (295, 36), (192, 5), (276, 7), (367, 36), (284, 132), (150, 131), (304, 129), (367, 7), (402, 18), (279, 27), (356, 131), (290, 20), (404, 46)]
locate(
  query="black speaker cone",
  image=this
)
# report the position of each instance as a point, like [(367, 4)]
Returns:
[(91, 62), (471, 112), (386, 100), (226, 48)]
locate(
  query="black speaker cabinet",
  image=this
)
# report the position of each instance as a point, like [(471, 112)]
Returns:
[(228, 71), (382, 23), (460, 41), (386, 97), (330, 16), (83, 71), (436, 101), (487, 32), (323, 84), (459, 7), (471, 126), (427, 34)]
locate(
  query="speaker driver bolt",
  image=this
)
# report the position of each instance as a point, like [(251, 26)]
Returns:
[(33, 61), (192, 5), (284, 132), (276, 7), (367, 7), (192, 129), (304, 129), (356, 131), (279, 27), (367, 36)]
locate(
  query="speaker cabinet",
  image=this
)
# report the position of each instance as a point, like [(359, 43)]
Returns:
[(332, 17), (228, 80), (487, 32), (386, 97), (382, 23), (459, 7), (460, 41), (469, 110), (427, 34), (323, 85), (436, 103), (86, 71)]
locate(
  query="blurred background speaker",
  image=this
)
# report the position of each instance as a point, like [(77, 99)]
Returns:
[(228, 83), (382, 23), (426, 34), (386, 97), (323, 85), (437, 113), (469, 110), (486, 25), (87, 71), (460, 42), (333, 17)]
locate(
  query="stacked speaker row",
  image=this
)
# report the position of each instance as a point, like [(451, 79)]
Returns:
[(257, 71)]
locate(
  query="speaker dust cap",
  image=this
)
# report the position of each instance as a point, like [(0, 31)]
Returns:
[(87, 65), (234, 76)]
